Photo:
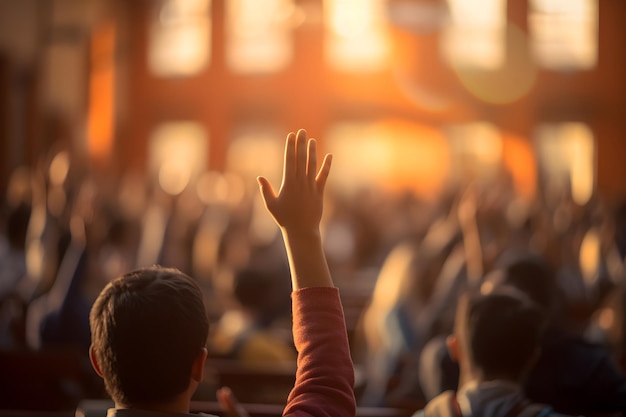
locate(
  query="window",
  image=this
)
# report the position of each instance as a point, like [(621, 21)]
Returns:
[(178, 154), (257, 149), (475, 34), (518, 156), (564, 33), (389, 154), (476, 151), (180, 38), (259, 35), (566, 154), (356, 35)]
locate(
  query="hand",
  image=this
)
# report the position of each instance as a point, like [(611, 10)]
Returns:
[(229, 403), (467, 208), (298, 205)]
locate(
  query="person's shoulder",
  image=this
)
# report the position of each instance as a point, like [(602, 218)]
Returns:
[(440, 406), (541, 410)]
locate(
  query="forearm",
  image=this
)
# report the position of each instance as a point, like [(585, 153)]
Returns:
[(473, 251), (325, 377), (307, 260)]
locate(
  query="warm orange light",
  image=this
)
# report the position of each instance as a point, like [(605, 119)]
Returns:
[(519, 159), (256, 150), (178, 153), (420, 157), (475, 36), (389, 154), (564, 33), (476, 150), (180, 39), (511, 80), (259, 38), (101, 117), (357, 39), (568, 158)]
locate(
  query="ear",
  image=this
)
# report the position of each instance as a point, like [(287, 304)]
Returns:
[(197, 371), (94, 361), (452, 344)]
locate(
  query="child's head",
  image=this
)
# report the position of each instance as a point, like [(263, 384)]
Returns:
[(497, 334), (149, 329), (529, 273)]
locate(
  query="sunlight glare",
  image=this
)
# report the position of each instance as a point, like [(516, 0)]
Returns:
[(259, 38), (564, 33), (178, 153), (180, 39), (357, 39)]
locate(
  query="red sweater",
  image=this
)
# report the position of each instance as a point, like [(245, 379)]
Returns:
[(325, 378)]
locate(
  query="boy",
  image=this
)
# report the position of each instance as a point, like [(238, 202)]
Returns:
[(496, 341), (149, 327)]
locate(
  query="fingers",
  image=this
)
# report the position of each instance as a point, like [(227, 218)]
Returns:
[(301, 154), (322, 176), (267, 192), (289, 165), (311, 167), (300, 163)]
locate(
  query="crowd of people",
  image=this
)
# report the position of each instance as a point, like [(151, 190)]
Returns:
[(541, 285)]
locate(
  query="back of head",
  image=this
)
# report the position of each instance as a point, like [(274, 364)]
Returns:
[(529, 273), (147, 328), (264, 291), (500, 333)]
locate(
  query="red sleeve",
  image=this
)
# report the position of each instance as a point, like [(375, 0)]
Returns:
[(325, 376)]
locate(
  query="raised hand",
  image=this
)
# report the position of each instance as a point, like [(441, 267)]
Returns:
[(297, 209), (298, 205)]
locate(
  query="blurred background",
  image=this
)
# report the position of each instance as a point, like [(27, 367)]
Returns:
[(131, 133)]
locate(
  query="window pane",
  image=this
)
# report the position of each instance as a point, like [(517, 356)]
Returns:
[(389, 154), (180, 38), (178, 154), (259, 35), (356, 35), (564, 33), (475, 35), (256, 150), (476, 151), (566, 154)]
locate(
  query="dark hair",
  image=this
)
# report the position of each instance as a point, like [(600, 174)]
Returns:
[(531, 274), (264, 290), (147, 328), (500, 332)]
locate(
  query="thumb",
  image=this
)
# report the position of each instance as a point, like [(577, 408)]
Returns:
[(266, 191)]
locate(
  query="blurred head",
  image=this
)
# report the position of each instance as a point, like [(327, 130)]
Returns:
[(497, 335), (149, 329), (529, 273), (263, 291), (17, 223)]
